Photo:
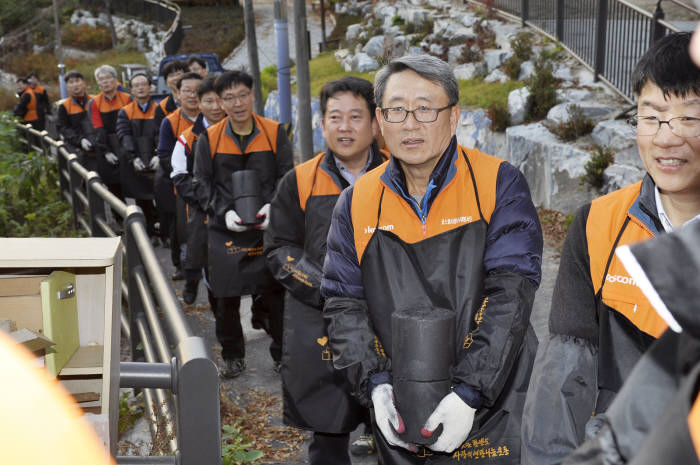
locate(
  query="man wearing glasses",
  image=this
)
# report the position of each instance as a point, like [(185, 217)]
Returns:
[(438, 225), (601, 323), (242, 141)]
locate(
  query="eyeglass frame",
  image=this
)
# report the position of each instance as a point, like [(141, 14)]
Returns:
[(236, 98), (634, 122), (384, 112)]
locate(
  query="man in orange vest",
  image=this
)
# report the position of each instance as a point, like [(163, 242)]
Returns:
[(73, 122), (243, 141), (27, 108), (103, 110), (601, 323), (183, 162), (447, 231), (170, 129), (315, 397), (41, 95)]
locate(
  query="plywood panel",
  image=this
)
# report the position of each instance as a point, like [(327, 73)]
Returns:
[(19, 285), (25, 310)]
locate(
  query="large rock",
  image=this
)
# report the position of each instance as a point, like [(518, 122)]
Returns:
[(527, 70), (454, 54), (615, 134), (504, 34), (563, 72), (467, 19), (353, 32), (552, 168), (8, 81), (341, 54), (593, 111), (436, 49), (470, 70), (630, 157), (363, 63), (517, 105), (496, 76), (374, 47), (474, 131), (495, 58), (617, 176), (413, 50), (400, 45), (456, 32), (573, 95), (415, 16)]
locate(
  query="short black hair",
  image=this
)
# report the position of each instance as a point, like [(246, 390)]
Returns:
[(206, 86), (32, 74), (173, 67), (229, 79), (357, 86), (667, 64), (22, 80), (140, 73), (196, 59), (187, 76), (73, 74)]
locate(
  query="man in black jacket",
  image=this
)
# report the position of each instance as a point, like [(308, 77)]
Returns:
[(316, 396), (73, 121)]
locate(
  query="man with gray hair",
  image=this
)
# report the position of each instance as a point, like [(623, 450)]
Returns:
[(103, 111), (445, 240)]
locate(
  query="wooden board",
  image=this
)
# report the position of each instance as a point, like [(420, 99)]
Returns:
[(87, 360), (11, 285), (24, 310), (31, 340), (60, 317)]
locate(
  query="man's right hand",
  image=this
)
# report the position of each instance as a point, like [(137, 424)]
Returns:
[(138, 164), (86, 144), (233, 222), (387, 417)]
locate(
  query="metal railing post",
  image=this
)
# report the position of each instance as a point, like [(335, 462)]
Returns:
[(601, 31), (75, 181), (133, 260), (560, 20), (197, 399), (96, 206), (525, 6), (657, 29), (62, 166)]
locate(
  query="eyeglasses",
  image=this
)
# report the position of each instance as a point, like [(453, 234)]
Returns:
[(681, 126), (421, 114), (236, 98), (188, 91)]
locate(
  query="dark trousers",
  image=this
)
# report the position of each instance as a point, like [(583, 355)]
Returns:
[(329, 449), (168, 228), (149, 212), (229, 331)]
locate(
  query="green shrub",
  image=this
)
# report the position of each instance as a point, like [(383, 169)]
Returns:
[(129, 413), (30, 199), (422, 29), (268, 80), (499, 116), (86, 37), (471, 53), (577, 125), (521, 45), (236, 448), (397, 21), (543, 90), (486, 38), (601, 159), (512, 67)]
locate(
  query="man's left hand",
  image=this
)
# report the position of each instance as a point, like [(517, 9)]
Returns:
[(111, 158), (456, 418), (265, 214)]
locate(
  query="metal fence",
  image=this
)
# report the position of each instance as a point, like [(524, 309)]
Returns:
[(161, 11), (607, 36), (181, 390)]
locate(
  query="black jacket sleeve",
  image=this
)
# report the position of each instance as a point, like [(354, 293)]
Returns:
[(21, 107), (203, 176), (285, 156), (185, 188), (70, 135), (125, 134), (284, 245)]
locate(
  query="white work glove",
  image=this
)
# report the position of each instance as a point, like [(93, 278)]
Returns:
[(387, 417), (456, 417), (155, 161), (233, 222), (86, 144), (138, 164), (111, 158), (264, 212)]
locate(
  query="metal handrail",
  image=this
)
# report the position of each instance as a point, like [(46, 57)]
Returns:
[(191, 416), (619, 32)]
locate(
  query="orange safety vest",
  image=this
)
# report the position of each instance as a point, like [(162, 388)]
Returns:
[(32, 114)]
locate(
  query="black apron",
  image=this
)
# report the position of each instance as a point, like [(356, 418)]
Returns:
[(87, 159), (196, 238), (109, 173), (139, 184), (163, 190), (316, 395), (236, 262), (445, 271)]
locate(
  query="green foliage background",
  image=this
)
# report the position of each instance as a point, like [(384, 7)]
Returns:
[(30, 200)]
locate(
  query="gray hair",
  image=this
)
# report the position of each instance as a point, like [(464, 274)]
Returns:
[(431, 68), (105, 69)]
